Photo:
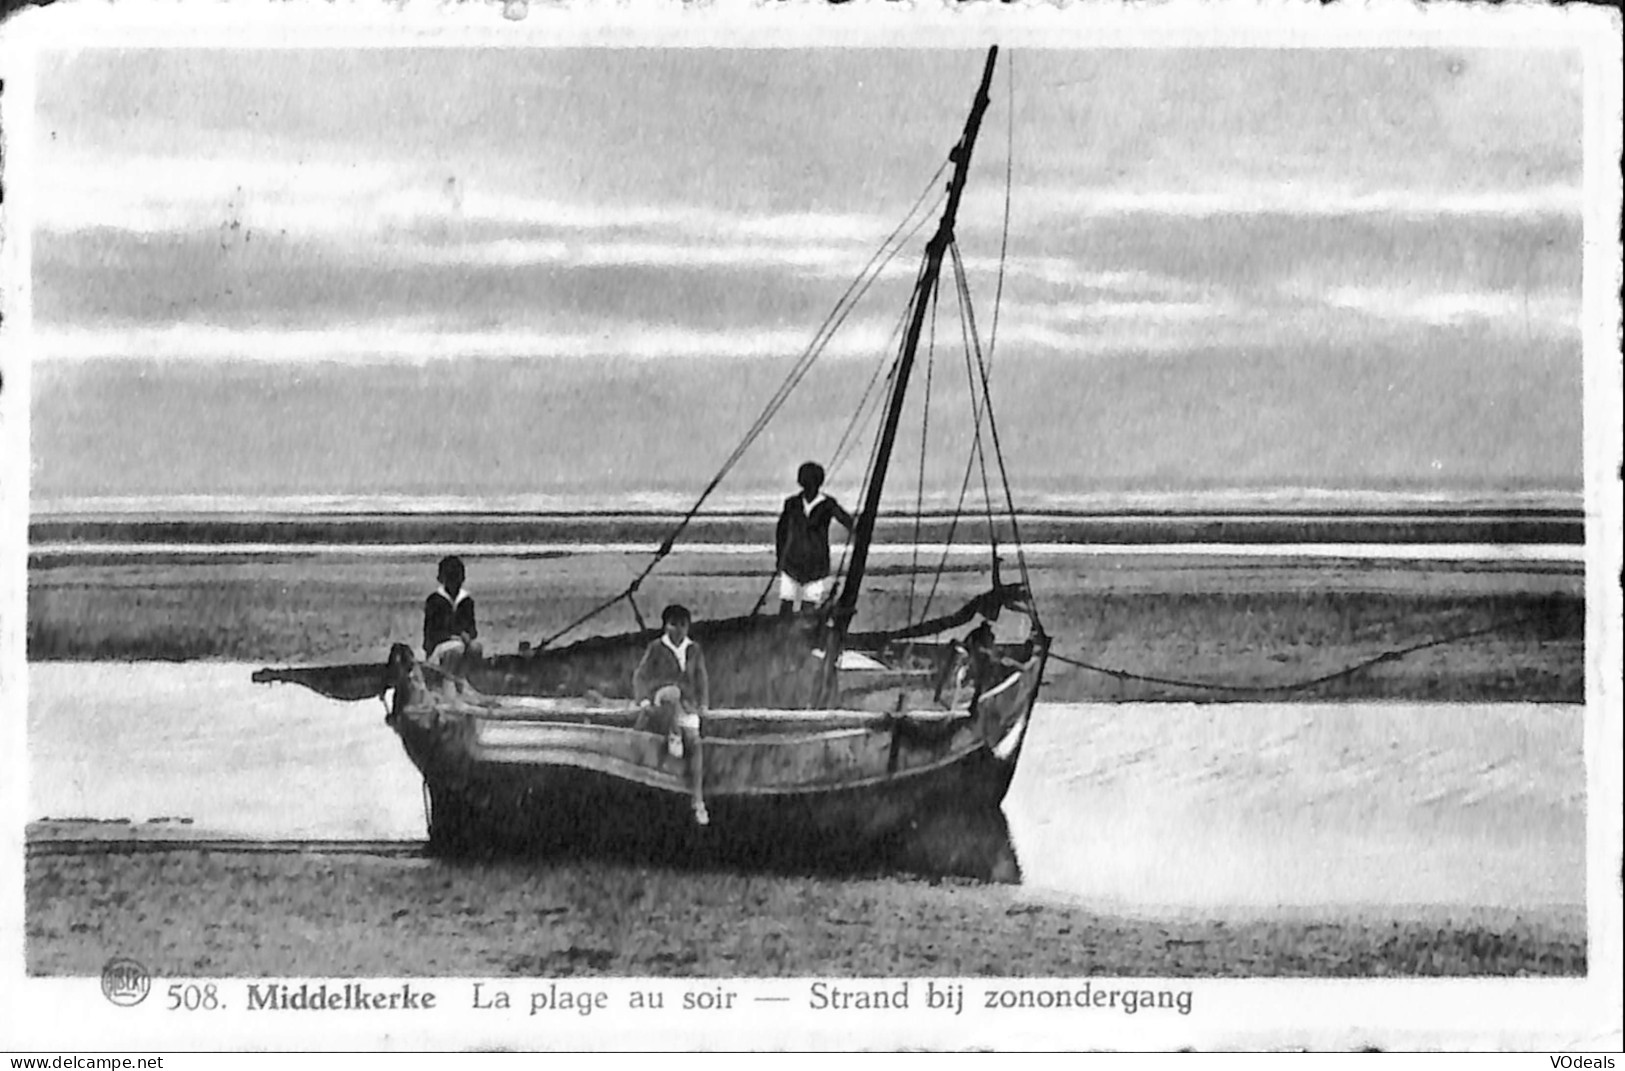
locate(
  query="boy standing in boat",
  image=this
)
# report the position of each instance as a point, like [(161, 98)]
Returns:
[(671, 683), (450, 636), (803, 541)]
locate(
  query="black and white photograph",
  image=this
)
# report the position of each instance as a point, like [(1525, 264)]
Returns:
[(745, 530)]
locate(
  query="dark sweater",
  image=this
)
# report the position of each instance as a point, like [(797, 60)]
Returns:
[(803, 537), (443, 621), (659, 668)]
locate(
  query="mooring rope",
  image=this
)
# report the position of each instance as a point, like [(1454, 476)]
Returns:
[(1286, 689)]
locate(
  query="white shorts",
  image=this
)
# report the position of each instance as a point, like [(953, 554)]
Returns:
[(813, 591), (686, 718), (453, 651)]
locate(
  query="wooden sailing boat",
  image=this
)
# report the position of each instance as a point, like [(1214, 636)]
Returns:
[(832, 741)]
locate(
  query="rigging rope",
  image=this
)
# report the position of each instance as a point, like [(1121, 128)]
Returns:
[(1286, 689), (889, 248), (874, 451), (925, 435), (977, 454), (843, 309), (998, 455), (1009, 179), (869, 404), (964, 485), (874, 445), (967, 326), (981, 401)]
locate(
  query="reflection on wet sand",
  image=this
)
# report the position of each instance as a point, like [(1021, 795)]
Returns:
[(968, 844), (963, 843)]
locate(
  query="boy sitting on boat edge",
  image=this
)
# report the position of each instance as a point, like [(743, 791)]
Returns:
[(672, 690), (450, 635)]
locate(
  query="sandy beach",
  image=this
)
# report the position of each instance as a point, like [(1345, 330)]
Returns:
[(185, 912)]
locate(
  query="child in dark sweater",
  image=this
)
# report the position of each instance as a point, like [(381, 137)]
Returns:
[(802, 540), (450, 635), (672, 691)]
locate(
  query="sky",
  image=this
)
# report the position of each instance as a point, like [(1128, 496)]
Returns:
[(1347, 268)]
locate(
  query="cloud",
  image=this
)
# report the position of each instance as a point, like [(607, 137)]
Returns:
[(376, 212), (1547, 313), (470, 205), (406, 341), (845, 227), (149, 195), (354, 201), (622, 252), (1070, 273), (1115, 328), (1144, 312), (810, 259), (1303, 199), (828, 261), (1123, 327), (145, 194)]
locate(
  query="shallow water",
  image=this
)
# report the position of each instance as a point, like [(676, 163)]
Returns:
[(1304, 804), (1127, 805), (145, 740), (1391, 552)]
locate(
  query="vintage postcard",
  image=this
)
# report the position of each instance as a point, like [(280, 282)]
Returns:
[(733, 527)]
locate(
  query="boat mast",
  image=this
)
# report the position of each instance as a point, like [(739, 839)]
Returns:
[(846, 605)]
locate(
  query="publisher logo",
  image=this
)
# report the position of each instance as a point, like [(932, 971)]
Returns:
[(125, 982)]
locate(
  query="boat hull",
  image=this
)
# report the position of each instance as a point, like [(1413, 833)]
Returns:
[(572, 813), (844, 788)]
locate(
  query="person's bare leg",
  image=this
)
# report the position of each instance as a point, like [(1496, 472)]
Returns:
[(671, 713), (696, 774)]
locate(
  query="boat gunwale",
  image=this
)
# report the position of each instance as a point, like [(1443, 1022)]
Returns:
[(875, 723), (489, 709), (680, 786)]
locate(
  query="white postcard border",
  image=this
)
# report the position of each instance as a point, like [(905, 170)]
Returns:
[(51, 1014)]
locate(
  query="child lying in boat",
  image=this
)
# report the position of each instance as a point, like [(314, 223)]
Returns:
[(672, 691)]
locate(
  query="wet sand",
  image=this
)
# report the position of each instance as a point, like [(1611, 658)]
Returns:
[(1234, 624), (185, 912), (1257, 623)]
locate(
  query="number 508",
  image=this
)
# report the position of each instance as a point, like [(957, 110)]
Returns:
[(193, 997)]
